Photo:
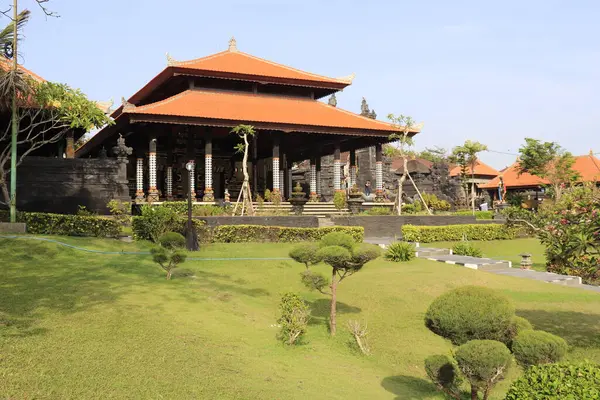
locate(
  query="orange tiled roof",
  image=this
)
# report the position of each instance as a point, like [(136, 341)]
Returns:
[(258, 108), (237, 62), (6, 64), (588, 167), (481, 169)]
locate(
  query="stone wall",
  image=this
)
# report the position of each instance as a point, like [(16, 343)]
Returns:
[(391, 226), (62, 185), (291, 221)]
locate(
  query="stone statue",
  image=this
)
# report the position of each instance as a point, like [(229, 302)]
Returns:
[(364, 108), (121, 150), (373, 114), (333, 100)]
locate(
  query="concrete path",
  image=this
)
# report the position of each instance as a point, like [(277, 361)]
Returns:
[(499, 267)]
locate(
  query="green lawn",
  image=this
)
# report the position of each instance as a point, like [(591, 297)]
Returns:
[(506, 250), (77, 325)]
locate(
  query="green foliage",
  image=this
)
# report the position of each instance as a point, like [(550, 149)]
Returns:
[(444, 374), (314, 281), (517, 325), (434, 203), (409, 208), (378, 211), (155, 221), (400, 252), (515, 199), (538, 347), (338, 239), (198, 210), (336, 256), (82, 211), (267, 195), (480, 215), (339, 200), (66, 224), (168, 255), (557, 381), (546, 160), (470, 312), (483, 363), (453, 233), (293, 318), (172, 240), (466, 249), (120, 211), (305, 253), (363, 253), (258, 233), (435, 154)]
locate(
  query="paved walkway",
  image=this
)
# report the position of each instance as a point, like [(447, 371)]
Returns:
[(499, 267)]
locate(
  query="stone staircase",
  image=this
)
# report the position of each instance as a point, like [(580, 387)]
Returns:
[(316, 209)]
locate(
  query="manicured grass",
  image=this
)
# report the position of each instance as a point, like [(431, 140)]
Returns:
[(79, 325), (506, 250)]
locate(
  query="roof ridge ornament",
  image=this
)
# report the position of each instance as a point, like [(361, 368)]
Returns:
[(127, 106), (233, 45), (171, 61), (333, 100), (347, 78)]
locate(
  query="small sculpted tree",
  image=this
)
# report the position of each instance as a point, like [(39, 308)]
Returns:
[(244, 131), (169, 254), (345, 257), (466, 157), (549, 161), (404, 124)]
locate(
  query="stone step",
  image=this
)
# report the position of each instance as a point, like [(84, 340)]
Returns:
[(431, 251)]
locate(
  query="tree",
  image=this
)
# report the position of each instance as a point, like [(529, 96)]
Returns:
[(43, 117), (345, 258), (243, 131), (169, 253), (466, 156), (435, 154), (404, 125), (549, 161)]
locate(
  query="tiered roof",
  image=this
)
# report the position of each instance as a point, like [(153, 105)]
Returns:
[(481, 169)]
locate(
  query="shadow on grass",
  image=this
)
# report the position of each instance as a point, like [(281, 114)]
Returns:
[(578, 329), (227, 284), (319, 310), (39, 278), (410, 387)]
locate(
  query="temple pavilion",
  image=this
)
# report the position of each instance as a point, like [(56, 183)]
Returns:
[(186, 113)]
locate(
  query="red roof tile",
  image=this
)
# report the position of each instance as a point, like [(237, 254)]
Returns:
[(481, 169), (6, 64), (259, 108), (588, 167)]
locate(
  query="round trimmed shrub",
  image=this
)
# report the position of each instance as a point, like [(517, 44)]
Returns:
[(400, 252), (336, 256), (470, 312), (557, 381), (466, 249), (364, 252), (337, 239), (443, 372), (538, 347), (305, 253), (517, 325), (172, 240), (483, 363)]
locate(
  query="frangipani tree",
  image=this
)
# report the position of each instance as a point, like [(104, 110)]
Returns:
[(466, 157)]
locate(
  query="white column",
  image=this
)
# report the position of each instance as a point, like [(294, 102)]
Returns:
[(192, 179), (313, 196), (208, 178), (379, 175), (139, 193), (276, 185), (152, 189), (169, 182), (282, 182), (318, 176), (352, 172)]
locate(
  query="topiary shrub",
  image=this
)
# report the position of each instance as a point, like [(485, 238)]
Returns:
[(466, 249), (305, 253), (293, 319), (363, 253), (337, 239), (169, 254), (470, 312), (172, 240), (538, 347), (557, 381), (444, 374), (400, 252), (516, 326), (339, 200), (336, 256), (483, 363)]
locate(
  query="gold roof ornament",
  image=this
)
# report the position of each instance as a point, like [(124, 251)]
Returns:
[(347, 78), (171, 61), (127, 105), (233, 45)]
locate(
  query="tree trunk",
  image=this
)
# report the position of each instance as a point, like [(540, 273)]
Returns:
[(332, 323), (401, 185), (169, 274), (5, 194), (473, 187), (474, 395)]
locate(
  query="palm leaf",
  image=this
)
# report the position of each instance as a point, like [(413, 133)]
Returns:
[(7, 34)]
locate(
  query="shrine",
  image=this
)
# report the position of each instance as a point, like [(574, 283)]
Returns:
[(186, 112)]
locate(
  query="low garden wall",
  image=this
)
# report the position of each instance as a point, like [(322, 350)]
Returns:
[(285, 221), (391, 226)]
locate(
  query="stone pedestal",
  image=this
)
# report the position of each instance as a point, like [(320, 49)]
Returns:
[(298, 204), (355, 204)]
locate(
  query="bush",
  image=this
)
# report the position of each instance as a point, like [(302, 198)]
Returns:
[(339, 200), (305, 253), (120, 210), (466, 249), (443, 373), (483, 363), (336, 256), (259, 233), (470, 312), (378, 211), (68, 225), (434, 203), (517, 325), (454, 233), (172, 240), (538, 347), (409, 209), (557, 381), (294, 318), (483, 215), (363, 253), (267, 195), (198, 210), (400, 251), (155, 221), (337, 239)]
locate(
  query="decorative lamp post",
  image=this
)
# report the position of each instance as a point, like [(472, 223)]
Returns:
[(191, 236), (526, 262)]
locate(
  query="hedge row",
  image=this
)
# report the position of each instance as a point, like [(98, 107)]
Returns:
[(199, 210), (67, 225), (478, 214), (146, 229), (259, 233), (449, 233)]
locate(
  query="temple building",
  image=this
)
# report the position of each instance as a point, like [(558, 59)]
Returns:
[(186, 113)]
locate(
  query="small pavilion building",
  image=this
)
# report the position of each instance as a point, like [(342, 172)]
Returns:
[(186, 113)]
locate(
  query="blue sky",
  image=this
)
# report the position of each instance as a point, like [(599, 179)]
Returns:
[(495, 72)]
